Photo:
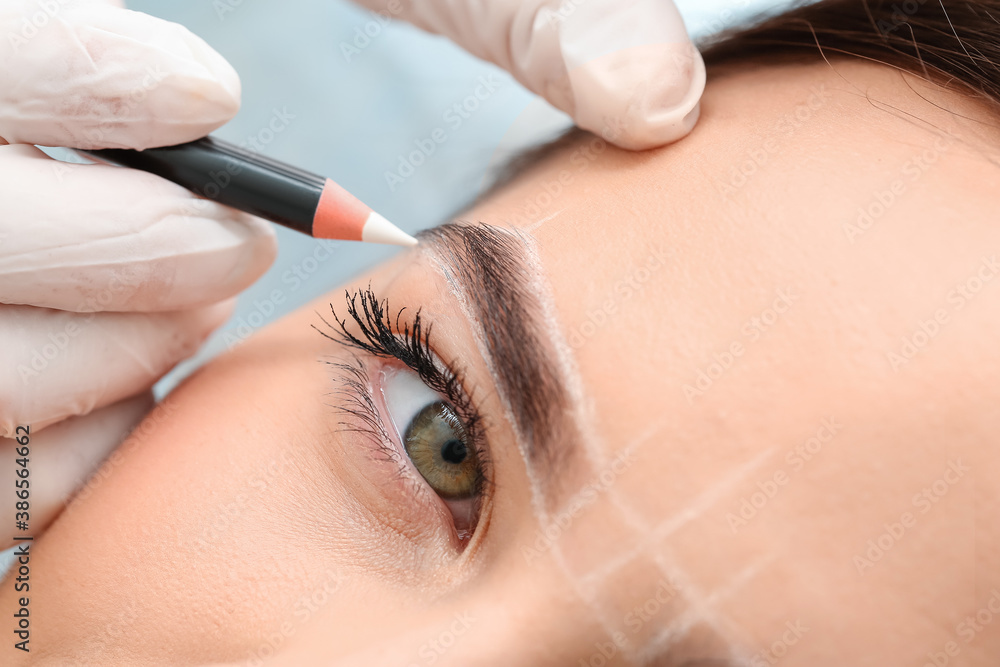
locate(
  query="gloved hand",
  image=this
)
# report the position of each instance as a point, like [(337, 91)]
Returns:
[(108, 277), (623, 69)]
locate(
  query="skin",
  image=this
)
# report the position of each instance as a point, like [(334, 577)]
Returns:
[(239, 519)]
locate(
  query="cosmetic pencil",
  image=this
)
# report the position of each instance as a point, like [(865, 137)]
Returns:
[(248, 181)]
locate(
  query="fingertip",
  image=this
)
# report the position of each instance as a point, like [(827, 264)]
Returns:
[(194, 89), (105, 77), (219, 70), (203, 321), (640, 97)]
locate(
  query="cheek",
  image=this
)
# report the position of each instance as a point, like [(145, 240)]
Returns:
[(195, 520)]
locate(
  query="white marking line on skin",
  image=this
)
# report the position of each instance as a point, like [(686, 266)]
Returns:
[(583, 494), (570, 379), (701, 503), (537, 503), (539, 223), (588, 600), (700, 606), (707, 498), (596, 455), (665, 639), (537, 493), (596, 452), (565, 362)]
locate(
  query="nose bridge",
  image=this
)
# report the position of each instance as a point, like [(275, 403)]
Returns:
[(514, 613), (549, 628), (632, 614)]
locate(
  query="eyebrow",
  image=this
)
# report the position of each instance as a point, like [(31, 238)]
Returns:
[(488, 265)]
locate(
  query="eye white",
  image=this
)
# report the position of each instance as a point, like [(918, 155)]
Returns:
[(405, 394)]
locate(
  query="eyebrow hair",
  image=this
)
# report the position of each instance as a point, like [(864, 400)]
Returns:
[(488, 264)]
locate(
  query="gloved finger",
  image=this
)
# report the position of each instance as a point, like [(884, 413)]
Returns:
[(93, 75), (624, 69), (96, 237), (55, 364), (60, 459)]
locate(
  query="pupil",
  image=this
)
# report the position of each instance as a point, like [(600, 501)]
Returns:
[(454, 451)]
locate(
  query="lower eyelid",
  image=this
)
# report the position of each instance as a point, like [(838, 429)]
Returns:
[(387, 466)]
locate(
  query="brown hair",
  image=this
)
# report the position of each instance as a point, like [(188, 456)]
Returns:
[(956, 44)]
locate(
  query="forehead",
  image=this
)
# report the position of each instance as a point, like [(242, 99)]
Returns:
[(674, 273)]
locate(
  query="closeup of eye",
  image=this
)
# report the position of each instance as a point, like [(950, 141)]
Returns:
[(437, 445), (418, 413), (437, 442)]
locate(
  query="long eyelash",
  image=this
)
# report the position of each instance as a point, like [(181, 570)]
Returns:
[(357, 401), (385, 336)]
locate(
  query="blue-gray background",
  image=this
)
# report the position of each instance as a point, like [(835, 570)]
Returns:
[(355, 112)]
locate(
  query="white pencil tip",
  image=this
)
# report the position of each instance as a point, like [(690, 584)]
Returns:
[(379, 230)]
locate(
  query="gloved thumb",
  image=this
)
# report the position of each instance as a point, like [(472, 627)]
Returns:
[(623, 69)]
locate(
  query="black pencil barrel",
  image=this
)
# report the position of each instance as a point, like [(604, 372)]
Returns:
[(230, 175)]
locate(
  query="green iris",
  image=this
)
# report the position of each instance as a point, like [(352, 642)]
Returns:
[(438, 445)]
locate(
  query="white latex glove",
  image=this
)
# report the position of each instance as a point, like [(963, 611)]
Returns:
[(108, 276), (623, 69)]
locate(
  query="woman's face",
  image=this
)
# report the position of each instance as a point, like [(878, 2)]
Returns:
[(731, 399)]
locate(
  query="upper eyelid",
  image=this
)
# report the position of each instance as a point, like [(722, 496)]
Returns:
[(449, 381), (385, 337)]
